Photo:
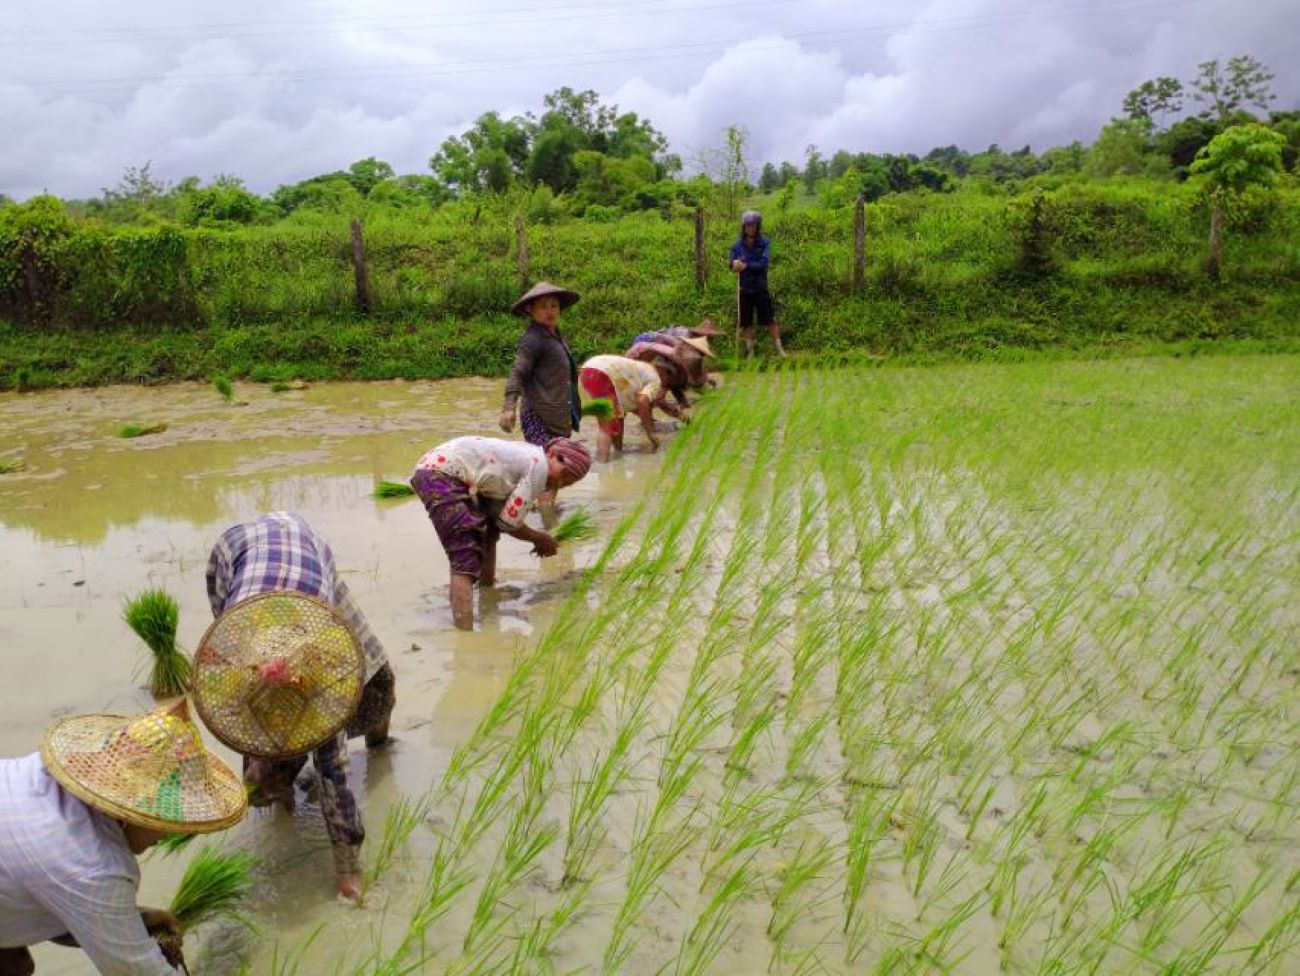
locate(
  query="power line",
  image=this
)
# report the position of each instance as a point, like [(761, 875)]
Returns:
[(589, 57), (409, 22)]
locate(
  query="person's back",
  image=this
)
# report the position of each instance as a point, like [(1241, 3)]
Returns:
[(52, 846)]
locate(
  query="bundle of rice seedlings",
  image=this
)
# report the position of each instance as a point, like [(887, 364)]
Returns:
[(215, 885), (601, 409), (224, 387), (393, 489), (10, 464), (577, 526), (153, 615), (140, 430)]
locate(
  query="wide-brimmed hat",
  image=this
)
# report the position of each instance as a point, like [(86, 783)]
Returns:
[(710, 330), (149, 770), (277, 675), (566, 296), (700, 345)]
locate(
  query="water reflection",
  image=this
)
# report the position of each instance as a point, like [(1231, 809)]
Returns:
[(92, 519)]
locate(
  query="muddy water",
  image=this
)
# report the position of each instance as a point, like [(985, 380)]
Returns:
[(92, 518)]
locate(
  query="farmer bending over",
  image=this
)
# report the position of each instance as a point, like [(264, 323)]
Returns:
[(102, 789), (750, 256), (628, 385), (475, 488), (281, 554), (681, 361)]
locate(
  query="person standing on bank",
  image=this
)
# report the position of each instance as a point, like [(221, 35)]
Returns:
[(750, 256), (544, 374)]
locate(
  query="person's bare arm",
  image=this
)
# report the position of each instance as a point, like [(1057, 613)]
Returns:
[(645, 411), (543, 543)]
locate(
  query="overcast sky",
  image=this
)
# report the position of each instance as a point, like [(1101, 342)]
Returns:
[(277, 92)]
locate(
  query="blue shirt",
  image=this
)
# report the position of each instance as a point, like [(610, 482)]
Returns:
[(754, 278)]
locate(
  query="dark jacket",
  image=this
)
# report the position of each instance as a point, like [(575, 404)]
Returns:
[(754, 278), (546, 375)]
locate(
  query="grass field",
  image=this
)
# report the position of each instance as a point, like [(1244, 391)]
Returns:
[(964, 669)]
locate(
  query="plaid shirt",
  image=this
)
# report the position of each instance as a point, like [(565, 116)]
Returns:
[(280, 551)]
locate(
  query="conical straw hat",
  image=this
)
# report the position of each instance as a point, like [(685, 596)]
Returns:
[(567, 296), (149, 770), (700, 345), (277, 675)]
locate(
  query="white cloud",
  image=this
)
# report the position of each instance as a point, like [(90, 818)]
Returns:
[(276, 95)]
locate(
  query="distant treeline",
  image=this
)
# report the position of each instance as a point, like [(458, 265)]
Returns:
[(583, 158)]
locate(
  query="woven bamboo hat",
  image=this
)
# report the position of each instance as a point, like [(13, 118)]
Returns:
[(700, 345), (277, 675), (149, 770), (566, 296)]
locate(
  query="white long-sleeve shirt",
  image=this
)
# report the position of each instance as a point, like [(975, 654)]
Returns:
[(511, 472), (65, 867)]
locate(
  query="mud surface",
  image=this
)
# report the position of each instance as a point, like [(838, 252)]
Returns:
[(92, 518)]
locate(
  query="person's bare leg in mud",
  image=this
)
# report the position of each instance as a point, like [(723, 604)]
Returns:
[(775, 330), (747, 334), (462, 601)]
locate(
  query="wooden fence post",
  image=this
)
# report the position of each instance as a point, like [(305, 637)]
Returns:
[(521, 252), (359, 268), (701, 259), (859, 244)]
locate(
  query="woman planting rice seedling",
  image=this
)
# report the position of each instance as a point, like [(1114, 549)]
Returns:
[(475, 488), (681, 361), (630, 386), (102, 789), (290, 667)]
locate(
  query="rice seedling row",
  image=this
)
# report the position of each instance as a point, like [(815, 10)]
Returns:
[(970, 669)]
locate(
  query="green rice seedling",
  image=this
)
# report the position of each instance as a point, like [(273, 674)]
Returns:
[(393, 489), (174, 843), (153, 615), (10, 465), (399, 822), (215, 884), (578, 526), (141, 430), (600, 408), (223, 386)]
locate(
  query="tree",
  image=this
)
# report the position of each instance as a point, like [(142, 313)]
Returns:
[(814, 168), (1184, 139), (137, 185), (1065, 159), (224, 200), (1237, 159), (1226, 91), (768, 179), (728, 170), (487, 157), (366, 174), (1120, 149), (1152, 100), (787, 172)]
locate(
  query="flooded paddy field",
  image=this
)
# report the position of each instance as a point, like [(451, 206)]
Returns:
[(963, 669)]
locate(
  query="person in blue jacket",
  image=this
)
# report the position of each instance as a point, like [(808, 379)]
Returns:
[(749, 259)]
